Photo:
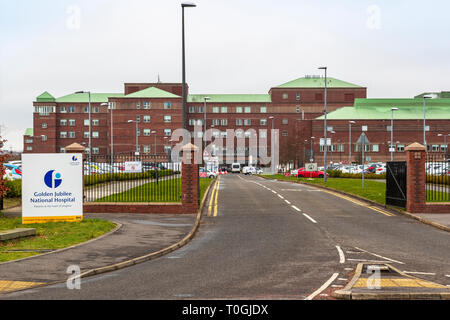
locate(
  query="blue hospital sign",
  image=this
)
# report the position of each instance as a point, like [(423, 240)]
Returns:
[(52, 187)]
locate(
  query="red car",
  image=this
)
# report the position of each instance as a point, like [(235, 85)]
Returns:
[(310, 174)]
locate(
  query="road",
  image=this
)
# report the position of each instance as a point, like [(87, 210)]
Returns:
[(273, 240)]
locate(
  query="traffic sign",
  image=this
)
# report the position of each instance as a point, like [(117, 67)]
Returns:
[(363, 139)]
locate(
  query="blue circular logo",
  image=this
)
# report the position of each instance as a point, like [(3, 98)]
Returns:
[(52, 180), (74, 158)]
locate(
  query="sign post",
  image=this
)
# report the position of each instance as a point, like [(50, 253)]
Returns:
[(52, 188), (363, 141)]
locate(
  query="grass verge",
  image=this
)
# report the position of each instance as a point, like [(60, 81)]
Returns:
[(373, 190), (49, 236), (165, 191)]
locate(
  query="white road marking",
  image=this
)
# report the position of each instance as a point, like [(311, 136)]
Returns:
[(343, 279), (376, 255), (280, 196), (314, 221), (341, 255), (295, 208), (323, 287), (416, 272), (274, 191), (287, 202), (447, 275), (348, 269), (336, 285), (365, 260)]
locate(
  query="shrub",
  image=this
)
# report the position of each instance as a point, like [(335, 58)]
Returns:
[(108, 177), (14, 188), (340, 174)]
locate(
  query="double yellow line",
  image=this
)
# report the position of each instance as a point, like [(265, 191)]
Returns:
[(360, 203), (212, 208)]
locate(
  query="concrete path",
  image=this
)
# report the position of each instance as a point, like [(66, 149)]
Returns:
[(138, 236)]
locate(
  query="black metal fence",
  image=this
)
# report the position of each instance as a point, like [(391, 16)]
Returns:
[(131, 178), (396, 183), (437, 170)]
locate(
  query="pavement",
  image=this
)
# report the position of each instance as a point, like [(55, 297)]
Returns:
[(265, 239), (137, 235), (383, 281), (439, 218)]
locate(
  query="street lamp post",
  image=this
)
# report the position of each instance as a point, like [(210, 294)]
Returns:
[(331, 146), (112, 139), (272, 143), (350, 141), (325, 126), (154, 155), (137, 141), (204, 122), (311, 155), (90, 133), (445, 143), (392, 133), (424, 119), (184, 5)]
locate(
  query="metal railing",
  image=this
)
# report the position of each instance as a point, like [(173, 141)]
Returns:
[(131, 178), (437, 170)]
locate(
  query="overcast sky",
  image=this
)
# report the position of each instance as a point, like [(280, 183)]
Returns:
[(396, 48)]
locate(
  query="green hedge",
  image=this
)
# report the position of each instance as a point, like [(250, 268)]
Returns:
[(108, 177), (443, 179), (340, 174), (15, 186)]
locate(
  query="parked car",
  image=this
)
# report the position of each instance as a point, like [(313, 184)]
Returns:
[(295, 171), (204, 173), (311, 174), (249, 170), (15, 172), (259, 170)]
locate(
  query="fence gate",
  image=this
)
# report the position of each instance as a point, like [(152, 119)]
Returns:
[(396, 183)]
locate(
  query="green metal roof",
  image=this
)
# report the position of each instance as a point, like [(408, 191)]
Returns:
[(151, 92), (29, 132), (45, 97), (440, 95), (317, 82), (380, 109), (236, 98), (84, 97)]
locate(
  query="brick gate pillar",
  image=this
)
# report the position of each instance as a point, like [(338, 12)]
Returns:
[(77, 148), (415, 178), (189, 179)]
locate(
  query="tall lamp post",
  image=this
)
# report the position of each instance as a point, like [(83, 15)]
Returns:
[(331, 146), (350, 141), (325, 126), (445, 143), (272, 156), (184, 5), (112, 139), (137, 141), (391, 148), (204, 122), (90, 133), (311, 155), (424, 119), (154, 148)]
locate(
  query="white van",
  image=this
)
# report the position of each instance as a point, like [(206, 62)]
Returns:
[(236, 168)]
